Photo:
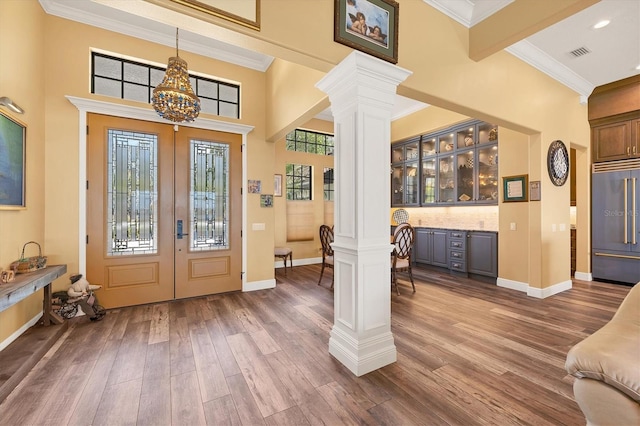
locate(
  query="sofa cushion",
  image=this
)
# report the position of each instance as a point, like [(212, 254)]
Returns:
[(612, 354)]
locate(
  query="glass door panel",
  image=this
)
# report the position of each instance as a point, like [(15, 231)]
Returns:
[(488, 174), (429, 181), (445, 179), (445, 143), (411, 151), (412, 183), (465, 137), (487, 133), (397, 154), (428, 147), (466, 165), (397, 185)]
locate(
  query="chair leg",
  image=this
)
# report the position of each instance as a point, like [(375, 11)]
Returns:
[(321, 272), (332, 278), (290, 261), (411, 276)]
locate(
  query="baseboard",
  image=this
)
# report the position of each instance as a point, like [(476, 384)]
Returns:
[(299, 262), (259, 285), (513, 285), (542, 293), (583, 276), (6, 342), (539, 293)]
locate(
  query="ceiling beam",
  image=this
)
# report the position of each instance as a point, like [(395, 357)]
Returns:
[(518, 21)]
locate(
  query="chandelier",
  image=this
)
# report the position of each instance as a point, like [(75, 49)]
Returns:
[(174, 99)]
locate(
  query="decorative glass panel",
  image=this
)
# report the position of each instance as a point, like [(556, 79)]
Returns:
[(209, 201), (132, 197)]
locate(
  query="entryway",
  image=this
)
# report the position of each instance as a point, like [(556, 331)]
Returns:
[(163, 211)]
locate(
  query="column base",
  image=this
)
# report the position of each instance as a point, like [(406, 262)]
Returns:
[(364, 355)]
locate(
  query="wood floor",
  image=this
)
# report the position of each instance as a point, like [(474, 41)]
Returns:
[(469, 353)]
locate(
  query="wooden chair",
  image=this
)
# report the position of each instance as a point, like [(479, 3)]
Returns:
[(326, 238), (403, 239), (284, 253)]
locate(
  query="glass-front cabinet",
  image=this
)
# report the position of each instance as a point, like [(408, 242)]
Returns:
[(405, 176), (453, 167)]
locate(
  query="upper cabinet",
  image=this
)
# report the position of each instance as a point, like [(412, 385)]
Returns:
[(614, 116), (616, 141), (456, 166)]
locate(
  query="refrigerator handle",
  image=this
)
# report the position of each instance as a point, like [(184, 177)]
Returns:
[(634, 218), (626, 212)]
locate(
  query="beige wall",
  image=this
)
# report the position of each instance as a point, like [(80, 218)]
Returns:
[(22, 80)]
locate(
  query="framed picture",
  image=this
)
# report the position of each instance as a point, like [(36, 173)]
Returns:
[(515, 188), (243, 12), (277, 185), (254, 186), (368, 25), (266, 200), (12, 163), (534, 190)]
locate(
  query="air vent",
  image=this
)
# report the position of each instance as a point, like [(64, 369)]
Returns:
[(580, 51)]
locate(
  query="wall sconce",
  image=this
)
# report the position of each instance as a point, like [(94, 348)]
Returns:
[(4, 101)]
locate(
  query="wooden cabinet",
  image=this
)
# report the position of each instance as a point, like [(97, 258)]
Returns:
[(455, 166), (431, 247), (482, 250), (619, 140)]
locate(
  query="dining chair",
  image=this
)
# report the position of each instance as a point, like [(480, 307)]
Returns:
[(403, 239), (326, 238)]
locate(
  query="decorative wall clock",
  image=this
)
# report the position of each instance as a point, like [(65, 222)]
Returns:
[(558, 163)]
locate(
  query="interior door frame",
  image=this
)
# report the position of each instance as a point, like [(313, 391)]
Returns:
[(86, 106)]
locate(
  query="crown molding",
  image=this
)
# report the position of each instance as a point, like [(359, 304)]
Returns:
[(538, 59)]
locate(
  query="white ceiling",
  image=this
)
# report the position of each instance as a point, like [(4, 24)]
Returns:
[(614, 51)]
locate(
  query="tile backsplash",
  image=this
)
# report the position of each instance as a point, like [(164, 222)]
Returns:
[(475, 218)]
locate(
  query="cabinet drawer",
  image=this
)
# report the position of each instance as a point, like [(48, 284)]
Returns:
[(458, 256), (459, 266), (457, 244), (456, 234)]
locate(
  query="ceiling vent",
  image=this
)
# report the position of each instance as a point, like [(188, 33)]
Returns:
[(580, 51)]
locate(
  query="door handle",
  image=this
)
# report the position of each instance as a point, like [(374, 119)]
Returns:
[(626, 212), (179, 233), (634, 218)]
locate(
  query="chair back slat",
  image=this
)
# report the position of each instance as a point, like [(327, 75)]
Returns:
[(403, 241), (326, 238)]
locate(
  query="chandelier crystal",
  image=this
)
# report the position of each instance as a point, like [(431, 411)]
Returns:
[(174, 99)]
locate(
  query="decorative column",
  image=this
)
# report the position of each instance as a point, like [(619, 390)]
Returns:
[(362, 92)]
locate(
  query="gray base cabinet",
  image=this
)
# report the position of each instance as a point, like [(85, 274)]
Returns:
[(482, 253), (431, 247)]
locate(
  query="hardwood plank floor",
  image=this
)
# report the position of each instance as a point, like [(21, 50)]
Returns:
[(469, 353)]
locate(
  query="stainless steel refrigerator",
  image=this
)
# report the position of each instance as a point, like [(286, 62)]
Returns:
[(615, 222)]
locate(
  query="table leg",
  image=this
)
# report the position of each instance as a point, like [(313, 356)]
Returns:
[(48, 316)]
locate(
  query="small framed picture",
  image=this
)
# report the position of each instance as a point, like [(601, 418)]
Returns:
[(534, 190), (515, 188), (12, 163), (266, 200), (277, 185), (254, 186), (370, 26)]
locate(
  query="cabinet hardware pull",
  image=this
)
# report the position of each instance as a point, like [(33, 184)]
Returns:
[(634, 218), (628, 150), (622, 256), (626, 228)]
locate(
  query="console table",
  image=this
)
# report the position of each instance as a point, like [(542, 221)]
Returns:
[(26, 284)]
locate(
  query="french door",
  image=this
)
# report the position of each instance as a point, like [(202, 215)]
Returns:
[(163, 211)]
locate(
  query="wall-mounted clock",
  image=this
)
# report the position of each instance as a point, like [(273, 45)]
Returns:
[(558, 163)]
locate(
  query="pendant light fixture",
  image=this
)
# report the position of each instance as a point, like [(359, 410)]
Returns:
[(174, 99)]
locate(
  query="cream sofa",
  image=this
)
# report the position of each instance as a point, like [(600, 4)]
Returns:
[(607, 368)]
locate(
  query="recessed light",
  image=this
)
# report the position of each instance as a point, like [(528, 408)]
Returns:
[(601, 24), (638, 67)]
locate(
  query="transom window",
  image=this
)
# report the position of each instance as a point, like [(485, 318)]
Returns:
[(298, 182), (307, 141), (135, 81)]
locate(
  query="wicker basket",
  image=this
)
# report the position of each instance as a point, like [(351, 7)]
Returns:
[(29, 264)]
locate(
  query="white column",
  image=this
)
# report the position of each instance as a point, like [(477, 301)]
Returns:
[(362, 92)]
